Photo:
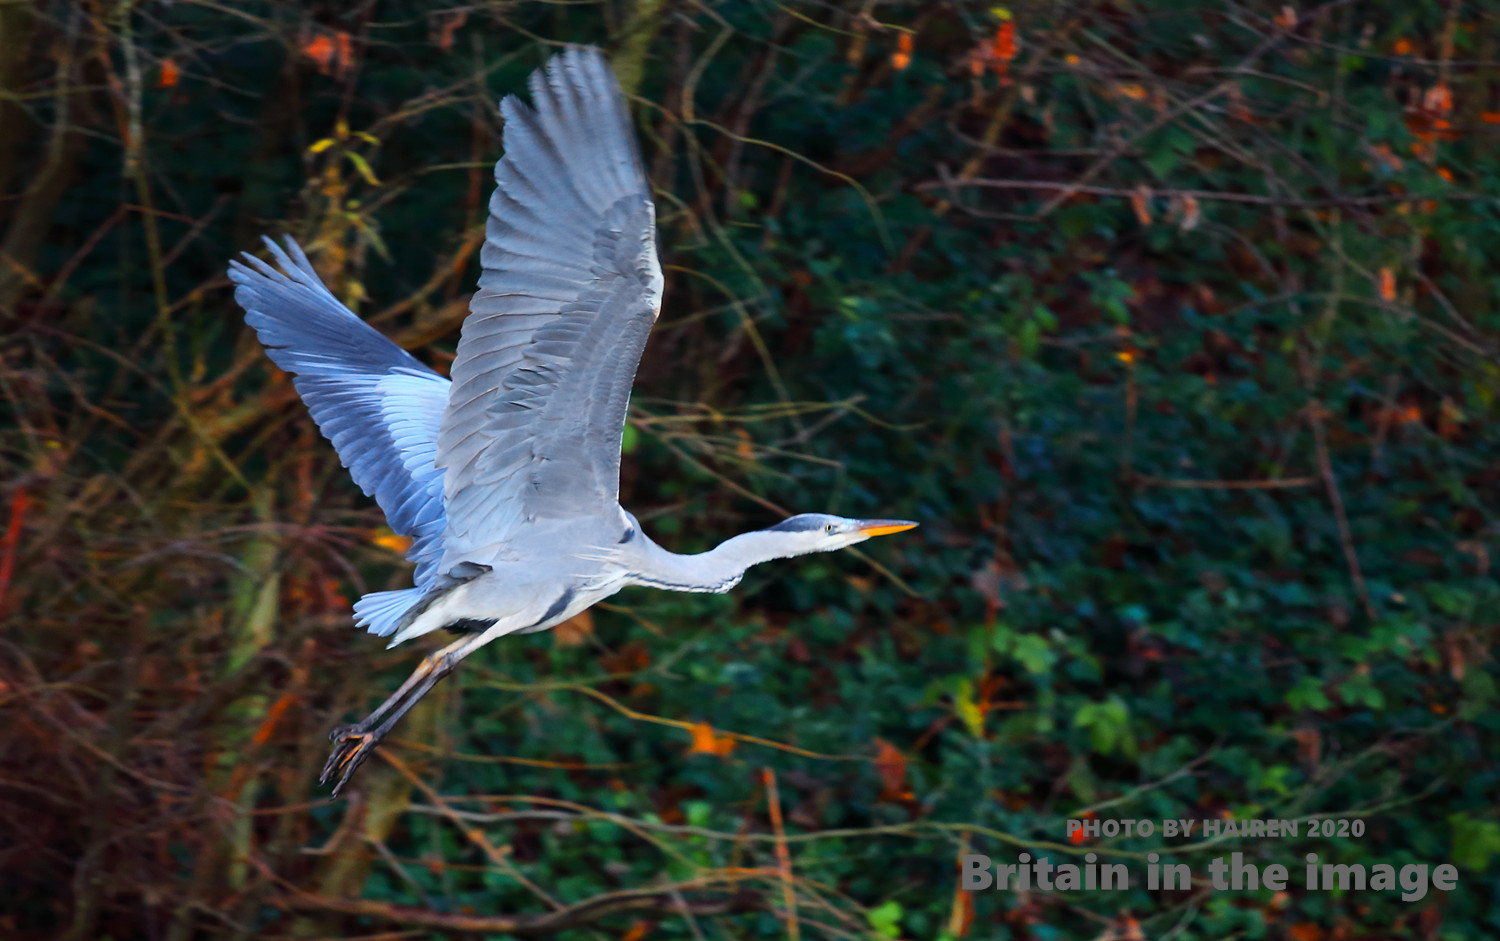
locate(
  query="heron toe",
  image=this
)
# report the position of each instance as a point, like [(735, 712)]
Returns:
[(351, 749), (344, 731)]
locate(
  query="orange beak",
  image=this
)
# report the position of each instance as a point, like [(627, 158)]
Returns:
[(885, 527)]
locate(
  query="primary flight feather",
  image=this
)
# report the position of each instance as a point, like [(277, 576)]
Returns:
[(507, 477)]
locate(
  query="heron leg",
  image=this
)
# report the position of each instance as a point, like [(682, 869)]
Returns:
[(353, 744), (423, 670)]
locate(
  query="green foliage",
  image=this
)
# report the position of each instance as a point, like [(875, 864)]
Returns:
[(1475, 842)]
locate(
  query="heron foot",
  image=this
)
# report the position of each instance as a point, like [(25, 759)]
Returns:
[(344, 731), (352, 747)]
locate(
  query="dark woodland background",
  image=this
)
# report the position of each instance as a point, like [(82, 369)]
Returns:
[(1174, 322)]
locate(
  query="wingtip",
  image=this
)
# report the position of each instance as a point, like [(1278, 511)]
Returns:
[(579, 60)]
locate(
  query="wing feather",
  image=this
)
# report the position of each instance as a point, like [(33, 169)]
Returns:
[(570, 289), (379, 406)]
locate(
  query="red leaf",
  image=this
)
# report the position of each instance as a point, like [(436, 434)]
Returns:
[(892, 767)]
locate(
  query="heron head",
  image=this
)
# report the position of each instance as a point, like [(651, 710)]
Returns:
[(820, 532)]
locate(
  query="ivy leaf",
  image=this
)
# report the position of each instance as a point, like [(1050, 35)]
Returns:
[(1475, 842), (885, 918), (968, 709)]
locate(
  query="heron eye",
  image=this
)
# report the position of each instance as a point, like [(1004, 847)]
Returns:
[(828, 528)]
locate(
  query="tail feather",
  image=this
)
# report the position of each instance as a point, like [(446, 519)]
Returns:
[(380, 612)]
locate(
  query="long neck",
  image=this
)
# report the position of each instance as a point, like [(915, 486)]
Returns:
[(717, 570)]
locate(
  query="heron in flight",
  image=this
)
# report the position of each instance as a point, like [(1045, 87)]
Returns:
[(507, 477)]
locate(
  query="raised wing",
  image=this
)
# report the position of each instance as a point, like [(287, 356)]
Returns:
[(570, 290), (379, 406)]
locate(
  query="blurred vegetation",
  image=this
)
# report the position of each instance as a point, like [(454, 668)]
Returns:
[(1176, 323)]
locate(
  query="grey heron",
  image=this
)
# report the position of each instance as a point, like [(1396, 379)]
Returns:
[(506, 478)]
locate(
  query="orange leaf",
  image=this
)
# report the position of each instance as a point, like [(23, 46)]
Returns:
[(273, 716), (1237, 108), (1305, 931), (902, 57), (1287, 18), (169, 74), (705, 742), (1438, 99), (1490, 117), (334, 598), (445, 32), (574, 631), (1402, 47), (386, 539), (1078, 836), (892, 767), (1387, 284), (636, 932), (1309, 744), (1005, 41), (1449, 418), (19, 503), (346, 52), (962, 916), (320, 50), (1140, 201)]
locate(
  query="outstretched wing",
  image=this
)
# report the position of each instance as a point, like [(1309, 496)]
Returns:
[(570, 290), (379, 406)]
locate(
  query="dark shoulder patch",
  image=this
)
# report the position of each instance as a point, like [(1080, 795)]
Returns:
[(629, 535), (464, 571), (558, 606), (470, 625)]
